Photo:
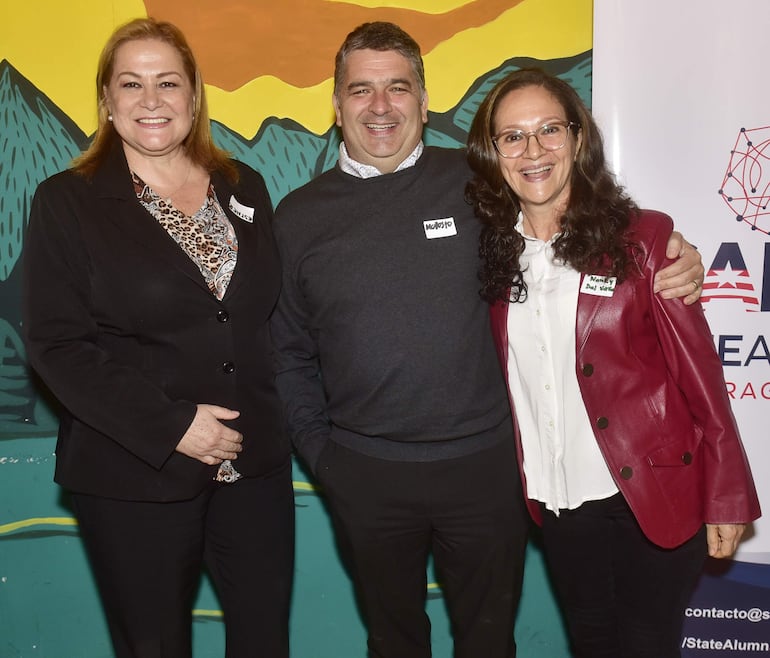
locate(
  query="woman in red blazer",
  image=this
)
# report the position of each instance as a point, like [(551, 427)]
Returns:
[(628, 449), (150, 276)]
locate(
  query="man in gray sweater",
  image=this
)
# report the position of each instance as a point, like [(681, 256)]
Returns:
[(385, 364)]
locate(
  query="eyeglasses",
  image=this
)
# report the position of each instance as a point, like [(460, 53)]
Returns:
[(551, 137)]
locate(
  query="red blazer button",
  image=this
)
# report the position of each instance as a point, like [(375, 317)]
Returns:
[(626, 472)]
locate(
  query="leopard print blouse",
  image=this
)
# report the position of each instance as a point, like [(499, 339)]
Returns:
[(207, 237)]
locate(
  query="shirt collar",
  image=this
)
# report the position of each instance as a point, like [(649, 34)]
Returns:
[(360, 170), (519, 226)]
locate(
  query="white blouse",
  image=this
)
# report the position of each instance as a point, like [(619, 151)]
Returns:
[(562, 461)]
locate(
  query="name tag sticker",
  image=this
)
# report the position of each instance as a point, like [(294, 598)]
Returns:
[(603, 286), (244, 212), (439, 228)]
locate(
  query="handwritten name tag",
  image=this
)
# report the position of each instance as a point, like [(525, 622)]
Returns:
[(603, 286), (439, 228), (244, 212)]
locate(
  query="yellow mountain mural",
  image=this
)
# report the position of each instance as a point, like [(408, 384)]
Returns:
[(264, 58)]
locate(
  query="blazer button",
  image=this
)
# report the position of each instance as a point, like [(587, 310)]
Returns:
[(687, 458), (602, 423), (222, 315), (626, 472), (228, 367), (588, 369)]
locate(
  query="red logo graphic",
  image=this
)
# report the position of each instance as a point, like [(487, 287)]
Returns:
[(744, 188)]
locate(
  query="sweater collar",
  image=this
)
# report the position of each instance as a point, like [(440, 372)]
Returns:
[(360, 170)]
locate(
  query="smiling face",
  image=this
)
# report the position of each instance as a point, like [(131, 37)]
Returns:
[(150, 98), (540, 179), (380, 108)]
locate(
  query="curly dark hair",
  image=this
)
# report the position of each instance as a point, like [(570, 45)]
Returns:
[(598, 210)]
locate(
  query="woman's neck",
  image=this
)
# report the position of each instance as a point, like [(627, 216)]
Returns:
[(174, 177), (163, 172), (541, 223)]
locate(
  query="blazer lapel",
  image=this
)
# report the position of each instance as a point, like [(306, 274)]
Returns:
[(587, 308), (244, 231), (113, 180)]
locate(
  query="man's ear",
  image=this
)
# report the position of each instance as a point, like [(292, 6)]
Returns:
[(337, 109)]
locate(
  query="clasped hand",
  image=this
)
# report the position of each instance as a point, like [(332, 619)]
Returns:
[(207, 439)]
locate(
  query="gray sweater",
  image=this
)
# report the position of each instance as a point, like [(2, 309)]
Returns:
[(382, 341)]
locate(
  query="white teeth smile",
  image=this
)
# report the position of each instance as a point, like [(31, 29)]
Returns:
[(539, 170), (159, 120), (379, 126)]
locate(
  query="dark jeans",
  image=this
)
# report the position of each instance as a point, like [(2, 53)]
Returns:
[(147, 559), (623, 596), (467, 511)]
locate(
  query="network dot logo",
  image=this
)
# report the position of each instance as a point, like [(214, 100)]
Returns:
[(746, 183)]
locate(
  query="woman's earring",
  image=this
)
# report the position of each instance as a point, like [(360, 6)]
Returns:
[(109, 117)]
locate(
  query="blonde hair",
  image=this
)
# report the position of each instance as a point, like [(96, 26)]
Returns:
[(198, 144)]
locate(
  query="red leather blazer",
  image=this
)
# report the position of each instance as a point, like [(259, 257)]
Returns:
[(653, 387)]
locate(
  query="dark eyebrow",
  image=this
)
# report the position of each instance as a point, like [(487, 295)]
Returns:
[(547, 122)]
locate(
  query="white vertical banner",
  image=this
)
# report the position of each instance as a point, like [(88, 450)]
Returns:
[(681, 91)]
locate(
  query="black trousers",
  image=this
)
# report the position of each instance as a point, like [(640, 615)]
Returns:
[(623, 596), (147, 559), (468, 512)]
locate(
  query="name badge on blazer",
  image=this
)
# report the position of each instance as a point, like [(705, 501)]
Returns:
[(238, 209), (603, 286)]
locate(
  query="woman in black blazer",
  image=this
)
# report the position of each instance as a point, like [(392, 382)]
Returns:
[(150, 274)]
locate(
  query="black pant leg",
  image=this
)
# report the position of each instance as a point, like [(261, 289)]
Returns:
[(654, 586), (470, 511), (481, 528), (250, 557), (623, 597), (384, 534), (146, 559)]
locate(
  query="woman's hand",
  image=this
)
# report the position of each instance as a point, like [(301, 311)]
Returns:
[(684, 277), (723, 538), (208, 440)]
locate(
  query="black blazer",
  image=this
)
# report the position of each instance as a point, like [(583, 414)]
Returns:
[(122, 328)]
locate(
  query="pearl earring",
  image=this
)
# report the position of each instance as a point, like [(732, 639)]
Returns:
[(109, 117)]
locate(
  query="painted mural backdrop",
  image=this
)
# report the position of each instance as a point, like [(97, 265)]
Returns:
[(268, 67)]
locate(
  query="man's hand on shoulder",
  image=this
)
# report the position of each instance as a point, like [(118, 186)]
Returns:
[(684, 277)]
